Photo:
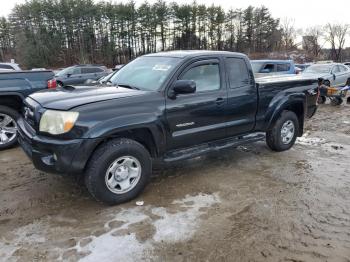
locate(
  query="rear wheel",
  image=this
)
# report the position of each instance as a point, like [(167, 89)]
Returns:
[(8, 127), (118, 171), (284, 132), (60, 84), (327, 83)]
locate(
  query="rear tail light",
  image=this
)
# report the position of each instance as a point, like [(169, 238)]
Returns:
[(52, 84)]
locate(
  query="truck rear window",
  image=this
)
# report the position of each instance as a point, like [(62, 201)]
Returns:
[(237, 71)]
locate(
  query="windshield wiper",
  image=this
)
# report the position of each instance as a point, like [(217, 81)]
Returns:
[(128, 86)]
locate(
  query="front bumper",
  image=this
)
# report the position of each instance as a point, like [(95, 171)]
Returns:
[(53, 155)]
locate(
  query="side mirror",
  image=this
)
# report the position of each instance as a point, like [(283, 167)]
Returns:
[(69, 75), (265, 71), (184, 87)]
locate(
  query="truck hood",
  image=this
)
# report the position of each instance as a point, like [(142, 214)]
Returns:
[(68, 98)]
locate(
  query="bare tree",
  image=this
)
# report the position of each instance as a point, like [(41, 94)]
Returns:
[(288, 33), (336, 36), (312, 40)]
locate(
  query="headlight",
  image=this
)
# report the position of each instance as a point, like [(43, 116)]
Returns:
[(57, 122)]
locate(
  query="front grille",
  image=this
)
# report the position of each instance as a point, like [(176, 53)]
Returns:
[(31, 113), (28, 114)]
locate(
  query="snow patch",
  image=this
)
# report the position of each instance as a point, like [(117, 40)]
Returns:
[(181, 225), (31, 233), (170, 227), (305, 140)]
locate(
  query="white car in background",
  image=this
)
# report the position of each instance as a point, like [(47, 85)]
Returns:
[(334, 74), (9, 67)]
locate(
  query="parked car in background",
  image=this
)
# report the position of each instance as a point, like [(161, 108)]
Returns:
[(334, 74), (78, 74), (302, 67), (118, 67), (102, 81), (9, 67), (39, 69), (15, 86), (262, 68), (162, 107)]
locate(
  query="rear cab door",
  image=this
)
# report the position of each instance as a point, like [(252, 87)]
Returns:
[(242, 98), (200, 117)]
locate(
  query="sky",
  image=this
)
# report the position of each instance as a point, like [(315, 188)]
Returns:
[(305, 13)]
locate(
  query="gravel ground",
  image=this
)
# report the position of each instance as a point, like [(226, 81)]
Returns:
[(244, 204)]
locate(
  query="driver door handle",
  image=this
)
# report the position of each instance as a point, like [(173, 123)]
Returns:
[(219, 101)]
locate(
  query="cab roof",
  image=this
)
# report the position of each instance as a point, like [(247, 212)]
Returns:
[(194, 53)]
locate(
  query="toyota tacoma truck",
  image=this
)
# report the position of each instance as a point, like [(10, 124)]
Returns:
[(161, 107), (15, 86)]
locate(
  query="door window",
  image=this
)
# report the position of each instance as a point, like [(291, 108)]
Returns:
[(75, 71), (6, 67), (207, 77), (89, 70), (237, 71), (269, 67), (283, 67), (343, 68), (335, 69)]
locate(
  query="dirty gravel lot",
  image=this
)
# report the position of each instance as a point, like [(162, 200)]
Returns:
[(244, 204)]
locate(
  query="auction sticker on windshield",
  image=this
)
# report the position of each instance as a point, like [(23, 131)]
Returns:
[(161, 67)]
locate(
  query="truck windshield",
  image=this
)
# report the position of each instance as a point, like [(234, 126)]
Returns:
[(145, 73)]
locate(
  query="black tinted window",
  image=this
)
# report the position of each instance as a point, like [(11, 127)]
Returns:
[(76, 71), (283, 67), (207, 77), (237, 72), (90, 70), (6, 67), (269, 67)]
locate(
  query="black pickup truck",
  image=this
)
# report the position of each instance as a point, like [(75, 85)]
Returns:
[(15, 86), (162, 107)]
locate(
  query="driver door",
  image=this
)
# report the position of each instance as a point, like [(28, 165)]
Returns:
[(197, 118)]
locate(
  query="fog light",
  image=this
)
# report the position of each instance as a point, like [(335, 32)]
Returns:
[(55, 157)]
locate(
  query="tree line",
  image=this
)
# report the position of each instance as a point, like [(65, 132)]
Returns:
[(42, 33), (54, 33)]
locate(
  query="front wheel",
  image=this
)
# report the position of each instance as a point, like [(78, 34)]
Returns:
[(118, 171), (8, 127), (284, 132)]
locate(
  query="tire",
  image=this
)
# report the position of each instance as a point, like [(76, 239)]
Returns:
[(60, 84), (274, 138), (336, 101), (321, 100), (8, 130), (99, 177), (327, 83)]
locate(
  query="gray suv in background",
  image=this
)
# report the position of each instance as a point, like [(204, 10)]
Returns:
[(78, 74)]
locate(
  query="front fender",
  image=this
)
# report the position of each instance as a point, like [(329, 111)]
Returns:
[(124, 123)]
